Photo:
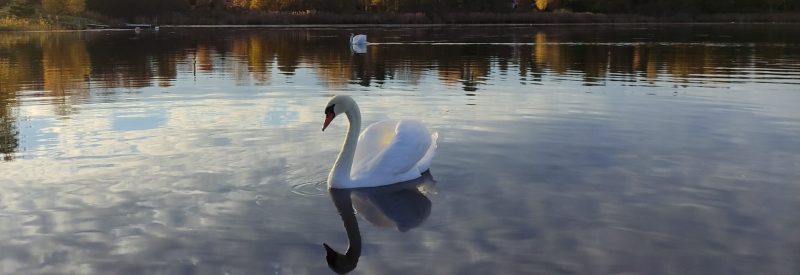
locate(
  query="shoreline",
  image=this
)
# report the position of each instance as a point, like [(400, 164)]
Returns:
[(324, 20), (466, 25), (303, 26), (211, 18)]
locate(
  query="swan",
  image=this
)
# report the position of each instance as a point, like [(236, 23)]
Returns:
[(358, 48), (402, 205), (359, 39), (386, 152)]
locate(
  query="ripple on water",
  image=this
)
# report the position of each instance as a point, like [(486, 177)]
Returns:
[(311, 189)]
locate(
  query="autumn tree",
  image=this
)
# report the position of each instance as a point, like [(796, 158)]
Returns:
[(256, 4), (239, 4), (133, 8), (75, 6), (53, 6), (63, 6), (541, 4)]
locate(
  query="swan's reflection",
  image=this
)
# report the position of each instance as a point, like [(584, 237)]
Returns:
[(400, 205), (358, 48)]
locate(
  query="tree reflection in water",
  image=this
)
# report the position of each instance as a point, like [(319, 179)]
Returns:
[(73, 68)]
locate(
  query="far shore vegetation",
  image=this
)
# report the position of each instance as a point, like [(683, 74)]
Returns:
[(81, 14)]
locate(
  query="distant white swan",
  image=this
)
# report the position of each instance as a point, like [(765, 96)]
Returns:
[(358, 48), (358, 39), (387, 152)]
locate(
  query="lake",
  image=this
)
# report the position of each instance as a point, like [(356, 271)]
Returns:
[(580, 149)]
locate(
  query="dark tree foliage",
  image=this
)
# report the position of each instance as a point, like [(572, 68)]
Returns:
[(132, 8), (672, 7), (21, 8)]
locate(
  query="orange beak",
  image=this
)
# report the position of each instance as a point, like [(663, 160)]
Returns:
[(328, 118)]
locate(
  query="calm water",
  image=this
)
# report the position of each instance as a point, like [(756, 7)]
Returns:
[(563, 150)]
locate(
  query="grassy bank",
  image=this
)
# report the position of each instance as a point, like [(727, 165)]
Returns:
[(275, 18), (38, 23), (10, 23)]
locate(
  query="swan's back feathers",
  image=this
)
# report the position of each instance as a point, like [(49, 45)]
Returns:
[(359, 39), (425, 163), (373, 139), (392, 151)]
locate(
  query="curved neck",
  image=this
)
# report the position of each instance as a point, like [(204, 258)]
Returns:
[(340, 174), (351, 38)]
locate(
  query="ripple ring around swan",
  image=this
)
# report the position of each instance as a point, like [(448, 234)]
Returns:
[(311, 188)]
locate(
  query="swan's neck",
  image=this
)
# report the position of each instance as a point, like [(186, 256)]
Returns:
[(340, 174), (351, 38)]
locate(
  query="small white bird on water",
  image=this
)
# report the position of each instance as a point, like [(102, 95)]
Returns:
[(359, 39)]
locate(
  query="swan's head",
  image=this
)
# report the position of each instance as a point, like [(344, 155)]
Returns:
[(339, 263), (336, 106)]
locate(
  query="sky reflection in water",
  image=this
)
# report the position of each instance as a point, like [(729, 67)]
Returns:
[(589, 150)]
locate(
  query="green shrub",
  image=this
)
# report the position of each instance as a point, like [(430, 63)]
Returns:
[(21, 8)]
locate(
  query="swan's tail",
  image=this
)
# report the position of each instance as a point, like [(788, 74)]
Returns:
[(425, 162)]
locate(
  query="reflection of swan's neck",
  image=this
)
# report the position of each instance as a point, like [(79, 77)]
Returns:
[(351, 226), (340, 174), (345, 263)]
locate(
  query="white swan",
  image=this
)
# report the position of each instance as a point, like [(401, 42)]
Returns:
[(358, 48), (358, 39), (387, 152)]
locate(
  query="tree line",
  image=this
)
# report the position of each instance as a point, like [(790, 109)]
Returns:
[(657, 7), (133, 8)]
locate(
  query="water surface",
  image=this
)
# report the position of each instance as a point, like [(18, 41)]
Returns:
[(564, 149)]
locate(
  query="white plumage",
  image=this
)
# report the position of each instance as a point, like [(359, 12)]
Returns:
[(386, 152), (358, 39), (393, 151)]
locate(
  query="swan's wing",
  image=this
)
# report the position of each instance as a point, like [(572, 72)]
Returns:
[(373, 140), (360, 39), (403, 152), (425, 163)]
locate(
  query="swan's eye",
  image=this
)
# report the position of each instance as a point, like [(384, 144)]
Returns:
[(329, 110)]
